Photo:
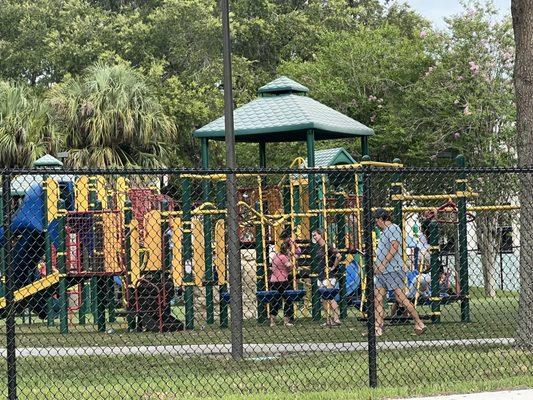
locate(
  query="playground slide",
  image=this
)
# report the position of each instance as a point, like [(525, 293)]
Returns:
[(30, 289), (28, 251), (44, 284)]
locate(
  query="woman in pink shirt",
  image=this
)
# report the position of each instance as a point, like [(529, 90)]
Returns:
[(279, 281)]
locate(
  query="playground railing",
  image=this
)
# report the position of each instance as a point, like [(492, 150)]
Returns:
[(119, 283)]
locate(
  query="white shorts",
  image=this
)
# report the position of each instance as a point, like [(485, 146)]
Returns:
[(327, 283)]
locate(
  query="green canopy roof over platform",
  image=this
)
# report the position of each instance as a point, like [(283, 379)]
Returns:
[(283, 113), (47, 161), (332, 157)]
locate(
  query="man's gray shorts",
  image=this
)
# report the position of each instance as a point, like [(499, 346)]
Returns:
[(390, 280)]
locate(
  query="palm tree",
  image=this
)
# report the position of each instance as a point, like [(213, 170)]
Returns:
[(23, 126), (111, 118)]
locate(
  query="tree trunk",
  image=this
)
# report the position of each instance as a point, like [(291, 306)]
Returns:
[(522, 12), (487, 236)]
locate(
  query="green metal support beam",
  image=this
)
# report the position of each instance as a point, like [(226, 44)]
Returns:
[(62, 267), (461, 185), (435, 268), (316, 305), (187, 253), (208, 240)]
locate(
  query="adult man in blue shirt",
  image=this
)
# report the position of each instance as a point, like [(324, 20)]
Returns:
[(389, 273)]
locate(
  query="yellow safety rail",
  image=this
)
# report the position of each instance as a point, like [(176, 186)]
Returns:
[(52, 197), (219, 258), (82, 193), (153, 240), (177, 256), (198, 256)]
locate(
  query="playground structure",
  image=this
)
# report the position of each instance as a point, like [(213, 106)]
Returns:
[(92, 231), (103, 236)]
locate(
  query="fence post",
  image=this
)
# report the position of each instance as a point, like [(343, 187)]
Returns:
[(9, 285), (368, 225), (234, 269), (2, 254), (463, 240)]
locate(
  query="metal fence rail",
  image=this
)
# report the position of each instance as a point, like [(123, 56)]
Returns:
[(365, 275)]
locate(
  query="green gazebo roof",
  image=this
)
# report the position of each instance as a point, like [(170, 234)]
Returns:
[(331, 157), (47, 161), (285, 114), (283, 85)]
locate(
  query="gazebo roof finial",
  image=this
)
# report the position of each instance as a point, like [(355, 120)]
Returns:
[(283, 85)]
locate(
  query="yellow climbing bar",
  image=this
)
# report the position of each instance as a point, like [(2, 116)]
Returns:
[(381, 164)]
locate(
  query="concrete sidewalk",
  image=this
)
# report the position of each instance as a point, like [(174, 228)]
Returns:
[(526, 394), (250, 349)]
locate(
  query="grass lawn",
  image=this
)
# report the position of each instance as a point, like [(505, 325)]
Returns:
[(313, 376), (491, 318), (303, 376)]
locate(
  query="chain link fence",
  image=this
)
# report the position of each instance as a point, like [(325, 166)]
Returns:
[(133, 284)]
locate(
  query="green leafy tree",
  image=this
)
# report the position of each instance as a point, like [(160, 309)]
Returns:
[(364, 75), (464, 104), (110, 117), (23, 126), (44, 40), (464, 100)]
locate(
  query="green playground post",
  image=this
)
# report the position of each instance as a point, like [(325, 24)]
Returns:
[(102, 286), (128, 217), (260, 270), (92, 292), (110, 294), (47, 250), (187, 252), (365, 151), (62, 267), (297, 208), (435, 267), (340, 219), (461, 187), (286, 198), (110, 282), (263, 161), (208, 240), (220, 198), (316, 303), (166, 236), (85, 300), (396, 190), (297, 222)]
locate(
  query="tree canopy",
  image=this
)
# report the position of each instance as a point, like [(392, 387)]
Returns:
[(424, 91)]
